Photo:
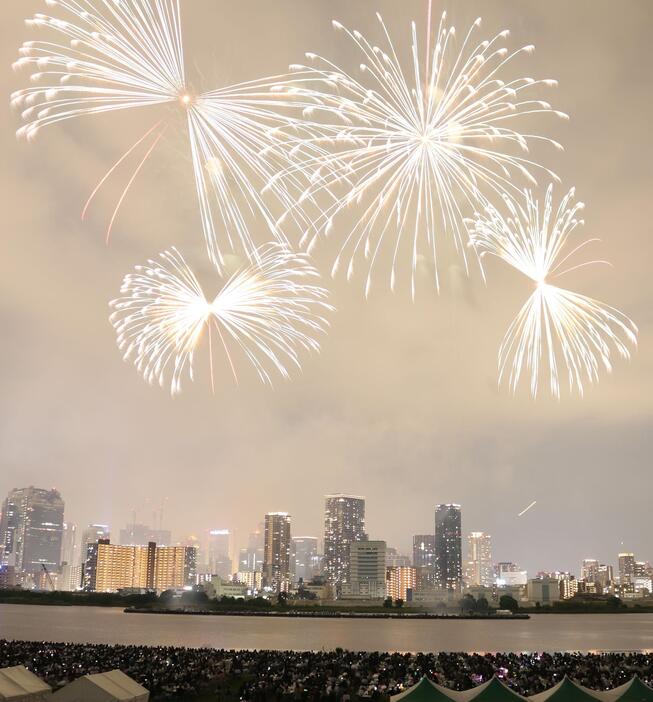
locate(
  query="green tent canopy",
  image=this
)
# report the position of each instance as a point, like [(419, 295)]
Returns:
[(633, 691), (495, 690), (491, 691), (566, 691), (424, 691)]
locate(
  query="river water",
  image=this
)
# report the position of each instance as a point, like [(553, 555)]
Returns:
[(542, 632)]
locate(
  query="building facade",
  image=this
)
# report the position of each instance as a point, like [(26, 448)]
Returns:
[(69, 544), (424, 560), (401, 582), (305, 558), (448, 547), (545, 590), (218, 554), (589, 570), (276, 552), (479, 570), (112, 567), (344, 524), (366, 577), (91, 535), (626, 568), (250, 559), (31, 529)]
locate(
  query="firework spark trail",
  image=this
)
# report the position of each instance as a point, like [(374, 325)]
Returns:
[(268, 311), (523, 512), (413, 154), (114, 56), (555, 328), (238, 146)]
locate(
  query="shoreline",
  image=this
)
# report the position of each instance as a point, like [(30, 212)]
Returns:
[(326, 614)]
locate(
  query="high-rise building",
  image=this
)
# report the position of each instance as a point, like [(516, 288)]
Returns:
[(424, 560), (112, 567), (344, 524), (70, 578), (140, 535), (401, 582), (479, 571), (366, 578), (69, 547), (250, 559), (219, 553), (626, 568), (448, 547), (9, 520), (589, 570), (605, 577), (89, 570), (91, 535), (276, 556), (568, 586), (31, 529), (305, 559)]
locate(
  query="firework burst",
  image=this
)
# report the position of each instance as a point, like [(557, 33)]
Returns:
[(556, 328), (120, 55), (416, 146), (267, 312)]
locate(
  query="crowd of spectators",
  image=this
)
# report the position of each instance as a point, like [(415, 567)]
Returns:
[(324, 676)]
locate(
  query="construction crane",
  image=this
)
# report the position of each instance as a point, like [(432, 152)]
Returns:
[(49, 577)]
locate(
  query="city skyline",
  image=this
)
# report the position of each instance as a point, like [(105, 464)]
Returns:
[(402, 406), (448, 558)]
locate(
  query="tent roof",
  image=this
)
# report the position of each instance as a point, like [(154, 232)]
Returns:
[(566, 691), (116, 683), (424, 691), (491, 691), (632, 691), (17, 682)]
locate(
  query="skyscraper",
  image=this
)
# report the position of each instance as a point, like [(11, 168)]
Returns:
[(276, 558), (424, 560), (344, 524), (479, 571), (9, 520), (250, 559), (626, 568), (219, 553), (589, 570), (305, 561), (31, 529), (91, 535), (448, 547), (69, 546), (605, 577)]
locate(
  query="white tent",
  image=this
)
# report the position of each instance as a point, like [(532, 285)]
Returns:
[(20, 685), (113, 686)]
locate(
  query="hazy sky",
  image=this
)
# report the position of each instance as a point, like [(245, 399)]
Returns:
[(402, 406)]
